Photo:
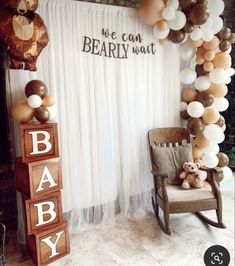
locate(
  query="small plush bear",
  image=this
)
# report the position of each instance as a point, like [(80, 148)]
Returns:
[(191, 176)]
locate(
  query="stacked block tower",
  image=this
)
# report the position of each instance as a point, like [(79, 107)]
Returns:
[(38, 178)]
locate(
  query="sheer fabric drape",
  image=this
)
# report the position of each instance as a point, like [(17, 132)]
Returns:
[(105, 108)]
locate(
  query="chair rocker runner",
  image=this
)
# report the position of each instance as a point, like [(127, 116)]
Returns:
[(171, 198)]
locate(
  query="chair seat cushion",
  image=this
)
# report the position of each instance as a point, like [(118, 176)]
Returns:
[(176, 193)]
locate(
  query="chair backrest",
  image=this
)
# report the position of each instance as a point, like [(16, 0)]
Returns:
[(2, 238), (169, 136)]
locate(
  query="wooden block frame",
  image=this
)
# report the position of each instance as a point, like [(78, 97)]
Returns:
[(28, 176), (40, 252), (27, 145), (31, 212)]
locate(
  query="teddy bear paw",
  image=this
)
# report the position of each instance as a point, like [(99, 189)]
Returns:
[(185, 186)]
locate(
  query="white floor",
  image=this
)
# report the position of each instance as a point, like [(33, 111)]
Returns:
[(141, 243)]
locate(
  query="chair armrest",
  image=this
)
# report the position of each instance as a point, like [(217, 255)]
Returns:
[(211, 178), (216, 170)]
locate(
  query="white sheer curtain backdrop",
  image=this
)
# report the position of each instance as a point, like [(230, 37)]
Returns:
[(105, 108)]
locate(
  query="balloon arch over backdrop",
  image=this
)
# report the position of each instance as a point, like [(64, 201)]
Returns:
[(205, 43)]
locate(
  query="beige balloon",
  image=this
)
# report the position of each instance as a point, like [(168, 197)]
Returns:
[(209, 55), (197, 153), (210, 115), (194, 44), (199, 60), (201, 141), (189, 94), (164, 42), (48, 101), (212, 45), (162, 25), (150, 11), (22, 112), (218, 90), (208, 66)]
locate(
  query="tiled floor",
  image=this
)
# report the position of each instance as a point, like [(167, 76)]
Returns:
[(141, 242)]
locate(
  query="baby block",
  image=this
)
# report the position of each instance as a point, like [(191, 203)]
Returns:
[(40, 178), (38, 141), (49, 245)]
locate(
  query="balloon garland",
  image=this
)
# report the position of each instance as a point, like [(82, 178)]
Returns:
[(197, 26), (38, 105)]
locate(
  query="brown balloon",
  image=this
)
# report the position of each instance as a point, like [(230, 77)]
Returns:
[(205, 98), (219, 177), (184, 115), (189, 27), (221, 121), (231, 39), (37, 87), (22, 34), (176, 36), (187, 4), (195, 126), (199, 14), (202, 2), (224, 34), (42, 114), (189, 94), (200, 70), (224, 45), (223, 159), (22, 112)]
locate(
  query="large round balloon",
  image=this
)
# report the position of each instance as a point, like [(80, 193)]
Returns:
[(42, 114), (195, 109), (48, 101), (218, 90), (202, 83), (198, 14), (221, 104), (214, 132), (206, 98), (210, 116), (195, 126), (150, 11), (176, 36), (189, 94), (22, 112), (210, 160), (37, 87), (187, 76)]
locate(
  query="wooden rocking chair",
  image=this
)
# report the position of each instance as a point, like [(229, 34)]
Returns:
[(173, 199)]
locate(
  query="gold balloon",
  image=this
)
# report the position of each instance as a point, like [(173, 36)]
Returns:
[(209, 55), (150, 11), (22, 112), (219, 177), (222, 60), (199, 60), (223, 159), (189, 94), (164, 42), (210, 115), (201, 141), (218, 90), (208, 66), (212, 45), (48, 101)]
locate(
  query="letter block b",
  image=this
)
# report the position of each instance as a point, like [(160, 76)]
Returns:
[(39, 141)]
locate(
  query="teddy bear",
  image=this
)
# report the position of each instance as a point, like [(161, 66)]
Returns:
[(192, 176), (22, 33)]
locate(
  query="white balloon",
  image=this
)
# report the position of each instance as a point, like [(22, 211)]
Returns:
[(183, 106), (220, 104), (34, 101), (207, 35), (160, 34), (178, 22), (168, 13), (187, 52), (187, 76), (196, 34), (228, 174), (210, 160), (217, 24), (214, 132), (53, 113), (173, 3), (195, 109), (202, 83), (213, 148), (216, 7), (207, 25), (223, 127), (218, 76), (230, 71)]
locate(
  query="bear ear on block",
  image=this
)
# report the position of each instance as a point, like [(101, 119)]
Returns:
[(39, 141), (43, 212), (49, 245)]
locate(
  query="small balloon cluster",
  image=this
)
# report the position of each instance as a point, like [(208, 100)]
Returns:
[(204, 42), (38, 105)]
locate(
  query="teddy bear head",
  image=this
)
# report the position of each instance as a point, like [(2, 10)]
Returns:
[(22, 7), (191, 167)]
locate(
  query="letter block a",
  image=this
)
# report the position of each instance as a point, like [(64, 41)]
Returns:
[(39, 141), (39, 178), (43, 212), (49, 245)]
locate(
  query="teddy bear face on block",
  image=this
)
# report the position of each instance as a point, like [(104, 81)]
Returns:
[(22, 6)]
